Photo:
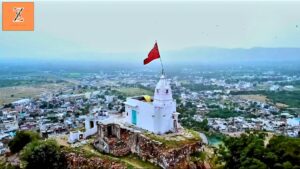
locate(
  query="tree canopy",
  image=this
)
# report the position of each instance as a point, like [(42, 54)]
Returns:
[(21, 139), (43, 154), (250, 152)]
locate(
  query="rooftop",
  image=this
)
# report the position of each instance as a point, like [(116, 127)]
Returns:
[(144, 98)]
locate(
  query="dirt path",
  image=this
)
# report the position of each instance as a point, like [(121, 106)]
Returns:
[(268, 138)]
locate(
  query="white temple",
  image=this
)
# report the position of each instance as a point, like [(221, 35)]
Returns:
[(157, 115)]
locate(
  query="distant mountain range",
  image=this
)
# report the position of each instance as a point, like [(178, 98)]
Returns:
[(189, 55), (235, 55)]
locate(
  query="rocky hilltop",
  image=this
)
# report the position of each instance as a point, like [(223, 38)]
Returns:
[(167, 151)]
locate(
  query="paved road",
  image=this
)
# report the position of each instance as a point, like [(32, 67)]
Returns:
[(204, 138)]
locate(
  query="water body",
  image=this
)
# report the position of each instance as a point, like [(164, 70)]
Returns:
[(211, 140), (214, 141)]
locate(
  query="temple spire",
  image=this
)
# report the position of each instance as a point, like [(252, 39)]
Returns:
[(163, 90)]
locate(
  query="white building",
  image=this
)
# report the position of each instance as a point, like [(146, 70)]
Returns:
[(2, 148), (157, 115), (9, 123), (274, 87), (90, 128), (21, 102)]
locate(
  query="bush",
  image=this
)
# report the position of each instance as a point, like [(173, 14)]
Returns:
[(21, 139), (43, 154)]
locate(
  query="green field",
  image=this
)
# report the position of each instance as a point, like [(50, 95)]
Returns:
[(133, 91), (290, 98)]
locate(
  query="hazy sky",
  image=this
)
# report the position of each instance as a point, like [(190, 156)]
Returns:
[(65, 29)]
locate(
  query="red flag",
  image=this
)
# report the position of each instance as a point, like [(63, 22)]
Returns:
[(153, 54)]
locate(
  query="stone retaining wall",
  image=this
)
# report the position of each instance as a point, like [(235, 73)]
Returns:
[(124, 141)]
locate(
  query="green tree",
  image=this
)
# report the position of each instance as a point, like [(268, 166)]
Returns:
[(21, 139), (86, 109), (110, 106), (249, 151), (223, 113), (43, 154), (204, 125), (243, 150), (5, 165), (286, 149)]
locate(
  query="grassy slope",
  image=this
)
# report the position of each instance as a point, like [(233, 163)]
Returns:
[(131, 160)]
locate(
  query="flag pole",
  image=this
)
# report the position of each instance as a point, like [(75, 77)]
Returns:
[(162, 66), (161, 63)]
